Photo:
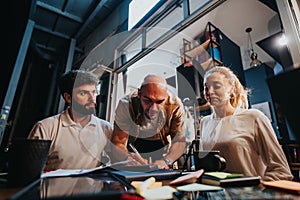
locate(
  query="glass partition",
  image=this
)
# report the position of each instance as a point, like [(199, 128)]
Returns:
[(133, 48), (158, 47), (195, 5), (164, 25)]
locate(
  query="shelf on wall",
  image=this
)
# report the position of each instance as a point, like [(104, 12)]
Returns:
[(211, 63), (202, 48)]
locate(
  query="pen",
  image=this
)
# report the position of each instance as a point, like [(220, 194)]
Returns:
[(150, 160), (137, 153)]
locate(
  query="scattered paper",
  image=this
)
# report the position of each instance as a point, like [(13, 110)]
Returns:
[(164, 192), (188, 178), (198, 187), (70, 172)]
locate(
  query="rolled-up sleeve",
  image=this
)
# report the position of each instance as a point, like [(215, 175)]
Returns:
[(38, 132), (122, 116)]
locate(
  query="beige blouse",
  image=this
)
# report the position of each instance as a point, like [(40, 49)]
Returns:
[(248, 142)]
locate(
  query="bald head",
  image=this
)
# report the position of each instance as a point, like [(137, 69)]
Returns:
[(153, 94), (155, 79)]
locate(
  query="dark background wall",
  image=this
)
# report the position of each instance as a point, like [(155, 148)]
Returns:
[(256, 78), (14, 16)]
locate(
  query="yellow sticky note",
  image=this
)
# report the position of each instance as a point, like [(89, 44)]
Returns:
[(153, 185)]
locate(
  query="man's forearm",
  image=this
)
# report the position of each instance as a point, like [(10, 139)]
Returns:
[(119, 153), (176, 150)]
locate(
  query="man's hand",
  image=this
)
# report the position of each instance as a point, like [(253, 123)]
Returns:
[(161, 164), (136, 159), (53, 161)]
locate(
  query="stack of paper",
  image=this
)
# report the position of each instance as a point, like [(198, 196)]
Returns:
[(228, 179)]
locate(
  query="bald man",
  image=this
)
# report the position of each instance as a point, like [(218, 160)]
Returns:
[(152, 120)]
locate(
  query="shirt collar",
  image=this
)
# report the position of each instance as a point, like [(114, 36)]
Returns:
[(67, 121), (236, 111)]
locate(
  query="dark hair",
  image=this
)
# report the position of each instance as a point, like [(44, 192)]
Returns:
[(75, 78)]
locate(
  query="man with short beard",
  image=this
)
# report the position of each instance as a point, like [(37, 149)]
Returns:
[(79, 138), (152, 120)]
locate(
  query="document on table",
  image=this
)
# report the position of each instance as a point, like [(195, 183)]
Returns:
[(164, 192), (73, 172), (198, 187), (69, 172), (188, 178)]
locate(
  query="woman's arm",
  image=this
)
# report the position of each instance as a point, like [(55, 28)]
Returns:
[(271, 151)]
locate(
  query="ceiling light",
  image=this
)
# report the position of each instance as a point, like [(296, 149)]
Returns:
[(255, 62), (282, 41)]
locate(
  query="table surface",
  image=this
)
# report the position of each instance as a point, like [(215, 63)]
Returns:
[(99, 184), (7, 192)]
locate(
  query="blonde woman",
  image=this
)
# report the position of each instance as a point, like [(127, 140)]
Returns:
[(244, 137)]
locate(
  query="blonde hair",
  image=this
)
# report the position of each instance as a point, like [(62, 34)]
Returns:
[(239, 97)]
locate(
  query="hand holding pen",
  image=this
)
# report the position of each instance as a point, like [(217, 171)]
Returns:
[(137, 156)]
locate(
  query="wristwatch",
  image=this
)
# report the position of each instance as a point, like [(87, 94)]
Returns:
[(168, 162)]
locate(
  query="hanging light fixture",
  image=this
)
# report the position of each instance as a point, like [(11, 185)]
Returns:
[(255, 62)]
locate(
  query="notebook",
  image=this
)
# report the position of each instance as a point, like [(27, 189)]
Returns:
[(160, 174), (225, 179)]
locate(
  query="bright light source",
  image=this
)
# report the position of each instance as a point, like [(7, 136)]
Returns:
[(138, 9), (282, 41)]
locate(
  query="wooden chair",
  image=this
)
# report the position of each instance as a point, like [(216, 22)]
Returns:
[(292, 152)]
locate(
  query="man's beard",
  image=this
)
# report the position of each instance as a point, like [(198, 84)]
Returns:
[(152, 115), (81, 109)]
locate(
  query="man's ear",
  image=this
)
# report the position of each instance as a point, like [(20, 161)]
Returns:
[(67, 98)]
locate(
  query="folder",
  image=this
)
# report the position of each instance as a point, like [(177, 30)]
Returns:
[(137, 168), (160, 174), (291, 186), (191, 177)]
